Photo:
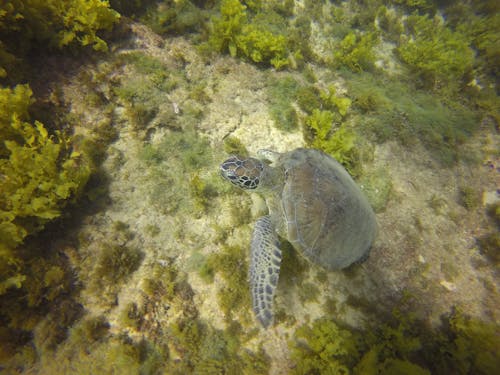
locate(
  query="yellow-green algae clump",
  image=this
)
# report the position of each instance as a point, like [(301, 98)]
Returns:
[(403, 345), (39, 173), (233, 32), (26, 23)]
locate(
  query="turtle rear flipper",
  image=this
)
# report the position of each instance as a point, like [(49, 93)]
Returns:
[(264, 269)]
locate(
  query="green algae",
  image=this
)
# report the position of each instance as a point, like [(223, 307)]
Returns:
[(434, 51), (233, 146), (323, 348), (255, 39), (377, 186), (201, 192), (469, 197), (339, 143), (177, 155), (116, 262), (308, 98), (41, 174), (390, 23), (308, 292), (489, 243), (355, 51), (175, 17), (234, 296), (208, 351), (143, 93), (395, 112), (40, 171), (54, 25), (403, 345), (325, 127), (293, 268), (281, 93), (437, 203)]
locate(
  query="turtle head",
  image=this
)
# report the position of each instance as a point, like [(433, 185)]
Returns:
[(246, 173)]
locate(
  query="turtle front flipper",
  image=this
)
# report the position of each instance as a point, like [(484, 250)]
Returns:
[(264, 269)]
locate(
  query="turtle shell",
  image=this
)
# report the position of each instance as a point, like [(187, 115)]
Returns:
[(326, 217)]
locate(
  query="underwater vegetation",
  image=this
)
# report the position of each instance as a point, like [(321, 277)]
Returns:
[(233, 146), (377, 186), (206, 350), (170, 169), (234, 297), (401, 346), (391, 111), (282, 93), (355, 51), (323, 348), (184, 344), (43, 170), (174, 17), (143, 93), (325, 129), (25, 24), (259, 39), (489, 243), (437, 53), (40, 174)]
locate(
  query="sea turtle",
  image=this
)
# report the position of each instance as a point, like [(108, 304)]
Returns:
[(313, 203)]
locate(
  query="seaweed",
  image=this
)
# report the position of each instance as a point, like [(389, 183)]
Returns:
[(308, 98), (175, 17), (339, 143), (206, 350), (308, 292), (132, 316), (234, 297), (144, 93), (401, 344), (177, 155), (377, 186), (116, 262), (389, 21), (489, 243), (26, 25), (201, 192), (424, 5), (483, 32), (259, 42), (293, 268), (323, 348), (438, 54), (233, 146), (395, 111), (355, 51), (469, 197), (41, 174), (281, 93), (468, 345)]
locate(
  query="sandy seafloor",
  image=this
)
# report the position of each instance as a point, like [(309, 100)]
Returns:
[(428, 253)]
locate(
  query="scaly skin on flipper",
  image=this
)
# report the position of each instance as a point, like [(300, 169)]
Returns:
[(264, 269)]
